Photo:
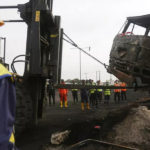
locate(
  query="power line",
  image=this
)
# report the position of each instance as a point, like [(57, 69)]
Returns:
[(70, 41)]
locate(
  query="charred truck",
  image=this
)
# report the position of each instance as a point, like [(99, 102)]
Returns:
[(42, 59), (130, 53)]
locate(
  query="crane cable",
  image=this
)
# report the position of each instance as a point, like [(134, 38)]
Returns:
[(70, 41)]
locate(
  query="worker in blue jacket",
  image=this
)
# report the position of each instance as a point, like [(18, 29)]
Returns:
[(7, 109), (84, 96)]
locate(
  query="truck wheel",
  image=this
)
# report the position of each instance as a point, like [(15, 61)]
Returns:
[(24, 112)]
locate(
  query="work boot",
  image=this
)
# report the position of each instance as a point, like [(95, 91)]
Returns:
[(88, 106), (82, 106), (66, 104), (61, 104)]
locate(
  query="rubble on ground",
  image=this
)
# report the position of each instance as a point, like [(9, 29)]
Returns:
[(125, 126), (134, 129), (59, 137)]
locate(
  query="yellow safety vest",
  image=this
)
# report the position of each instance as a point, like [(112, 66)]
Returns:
[(12, 138), (74, 89), (107, 92), (99, 90), (92, 90), (4, 72)]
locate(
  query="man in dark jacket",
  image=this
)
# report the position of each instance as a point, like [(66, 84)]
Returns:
[(84, 97), (51, 91), (74, 94)]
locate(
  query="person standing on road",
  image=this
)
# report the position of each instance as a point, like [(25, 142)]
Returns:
[(99, 93), (75, 94), (117, 92), (63, 95), (107, 94), (51, 92), (93, 98), (84, 97), (123, 91)]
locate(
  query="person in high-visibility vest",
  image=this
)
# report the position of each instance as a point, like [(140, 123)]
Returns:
[(63, 96), (99, 93), (75, 94), (84, 97), (117, 92), (107, 94), (93, 98), (123, 91), (7, 109)]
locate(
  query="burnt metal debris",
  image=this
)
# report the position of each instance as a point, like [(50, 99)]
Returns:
[(130, 53), (96, 144)]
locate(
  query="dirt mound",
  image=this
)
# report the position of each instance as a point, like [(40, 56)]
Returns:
[(134, 129), (126, 126)]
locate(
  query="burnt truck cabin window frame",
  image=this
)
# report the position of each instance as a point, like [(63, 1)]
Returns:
[(140, 21)]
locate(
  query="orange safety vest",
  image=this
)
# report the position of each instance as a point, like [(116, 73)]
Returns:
[(123, 85), (63, 91), (117, 85)]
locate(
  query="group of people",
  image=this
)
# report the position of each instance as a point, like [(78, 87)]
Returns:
[(120, 94), (89, 96)]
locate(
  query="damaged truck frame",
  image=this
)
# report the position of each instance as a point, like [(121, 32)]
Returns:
[(130, 53)]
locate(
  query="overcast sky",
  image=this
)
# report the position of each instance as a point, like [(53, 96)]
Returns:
[(91, 23)]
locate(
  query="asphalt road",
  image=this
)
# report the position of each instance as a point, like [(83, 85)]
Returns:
[(58, 119)]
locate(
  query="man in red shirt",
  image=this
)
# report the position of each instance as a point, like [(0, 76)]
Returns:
[(63, 96)]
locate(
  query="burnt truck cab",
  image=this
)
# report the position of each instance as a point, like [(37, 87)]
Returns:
[(130, 53)]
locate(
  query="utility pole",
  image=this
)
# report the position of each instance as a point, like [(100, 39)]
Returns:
[(4, 47), (0, 47), (86, 76), (96, 76), (99, 75), (110, 79), (80, 63)]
